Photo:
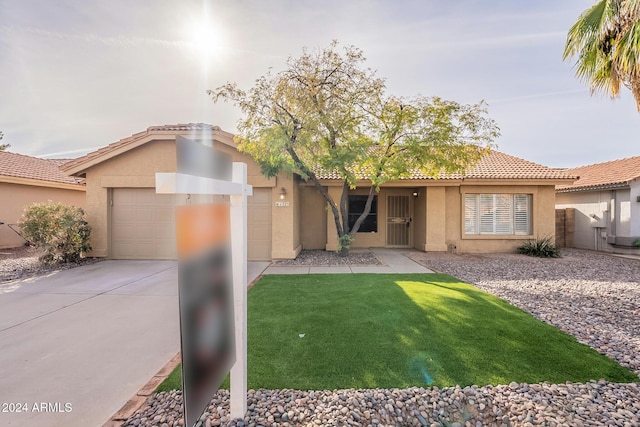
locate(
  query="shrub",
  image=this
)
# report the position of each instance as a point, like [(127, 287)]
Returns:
[(541, 247), (60, 230), (344, 244)]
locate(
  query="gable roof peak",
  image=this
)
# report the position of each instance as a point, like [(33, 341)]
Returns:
[(191, 130)]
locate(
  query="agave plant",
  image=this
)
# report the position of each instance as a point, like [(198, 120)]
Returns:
[(541, 247)]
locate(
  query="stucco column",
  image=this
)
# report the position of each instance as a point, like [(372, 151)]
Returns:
[(420, 219), (436, 219), (98, 204), (545, 212), (285, 233)]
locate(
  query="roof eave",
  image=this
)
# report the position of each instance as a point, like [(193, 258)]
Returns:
[(518, 181), (41, 183), (79, 166), (602, 187), (458, 181)]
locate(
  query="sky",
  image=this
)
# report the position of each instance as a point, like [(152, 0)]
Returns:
[(76, 75)]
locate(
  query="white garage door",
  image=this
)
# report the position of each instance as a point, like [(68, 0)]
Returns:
[(259, 225), (143, 223)]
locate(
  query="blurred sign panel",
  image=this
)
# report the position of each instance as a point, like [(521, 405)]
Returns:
[(200, 160), (205, 288)]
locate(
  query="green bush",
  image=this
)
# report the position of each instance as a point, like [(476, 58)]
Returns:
[(541, 247), (60, 230)]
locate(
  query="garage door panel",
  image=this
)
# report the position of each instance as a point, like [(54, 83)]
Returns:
[(164, 214), (261, 196), (124, 232), (143, 223), (144, 213), (260, 234), (164, 234), (261, 213)]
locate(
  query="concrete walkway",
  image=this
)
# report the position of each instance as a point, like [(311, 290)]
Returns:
[(393, 260)]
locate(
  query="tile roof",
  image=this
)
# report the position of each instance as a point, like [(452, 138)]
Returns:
[(495, 165), (170, 129), (614, 173), (23, 166)]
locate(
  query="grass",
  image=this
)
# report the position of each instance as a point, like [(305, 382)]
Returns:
[(377, 330)]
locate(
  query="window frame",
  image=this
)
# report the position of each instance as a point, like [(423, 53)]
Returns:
[(507, 219), (355, 215)]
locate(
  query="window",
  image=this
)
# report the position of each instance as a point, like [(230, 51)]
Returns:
[(356, 207), (497, 214)]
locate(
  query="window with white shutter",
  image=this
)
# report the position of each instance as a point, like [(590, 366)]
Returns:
[(522, 213), (505, 214), (470, 214)]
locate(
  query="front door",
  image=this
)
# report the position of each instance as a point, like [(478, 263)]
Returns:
[(398, 221)]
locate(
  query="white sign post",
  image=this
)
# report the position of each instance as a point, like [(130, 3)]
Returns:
[(237, 189)]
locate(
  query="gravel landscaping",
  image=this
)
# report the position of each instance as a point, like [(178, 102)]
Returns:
[(330, 258), (595, 297), (22, 263)]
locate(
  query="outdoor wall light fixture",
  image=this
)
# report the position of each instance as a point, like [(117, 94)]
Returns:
[(415, 194), (283, 193)]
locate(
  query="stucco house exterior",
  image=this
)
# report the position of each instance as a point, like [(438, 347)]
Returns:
[(493, 207), (25, 180), (606, 200)]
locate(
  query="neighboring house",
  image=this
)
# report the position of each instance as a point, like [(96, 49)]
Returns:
[(25, 180), (606, 199), (492, 208)]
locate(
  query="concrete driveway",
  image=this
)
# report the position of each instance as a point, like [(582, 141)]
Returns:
[(77, 344)]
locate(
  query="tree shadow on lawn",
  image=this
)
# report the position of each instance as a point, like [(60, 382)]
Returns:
[(386, 331)]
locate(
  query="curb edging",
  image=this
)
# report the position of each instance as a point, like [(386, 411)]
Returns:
[(137, 400)]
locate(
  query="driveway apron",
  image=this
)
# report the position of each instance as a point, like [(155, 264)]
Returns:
[(75, 345)]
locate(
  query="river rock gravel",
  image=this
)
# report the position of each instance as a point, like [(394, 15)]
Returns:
[(330, 258), (595, 297), (22, 263)]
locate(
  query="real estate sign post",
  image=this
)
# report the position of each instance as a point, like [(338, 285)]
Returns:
[(209, 345)]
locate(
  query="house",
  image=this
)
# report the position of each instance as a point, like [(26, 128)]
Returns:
[(491, 208), (606, 203), (25, 180)]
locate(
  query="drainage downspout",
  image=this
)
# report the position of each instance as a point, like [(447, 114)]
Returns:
[(612, 216)]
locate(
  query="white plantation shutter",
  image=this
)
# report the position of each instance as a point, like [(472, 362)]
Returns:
[(497, 214), (486, 214), (471, 214), (522, 217), (503, 214)]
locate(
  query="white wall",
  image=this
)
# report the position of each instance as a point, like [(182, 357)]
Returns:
[(619, 206), (586, 205), (634, 230), (623, 213)]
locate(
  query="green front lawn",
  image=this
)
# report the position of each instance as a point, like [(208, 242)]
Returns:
[(401, 330)]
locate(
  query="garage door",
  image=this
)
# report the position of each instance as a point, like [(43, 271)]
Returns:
[(259, 225), (142, 224)]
